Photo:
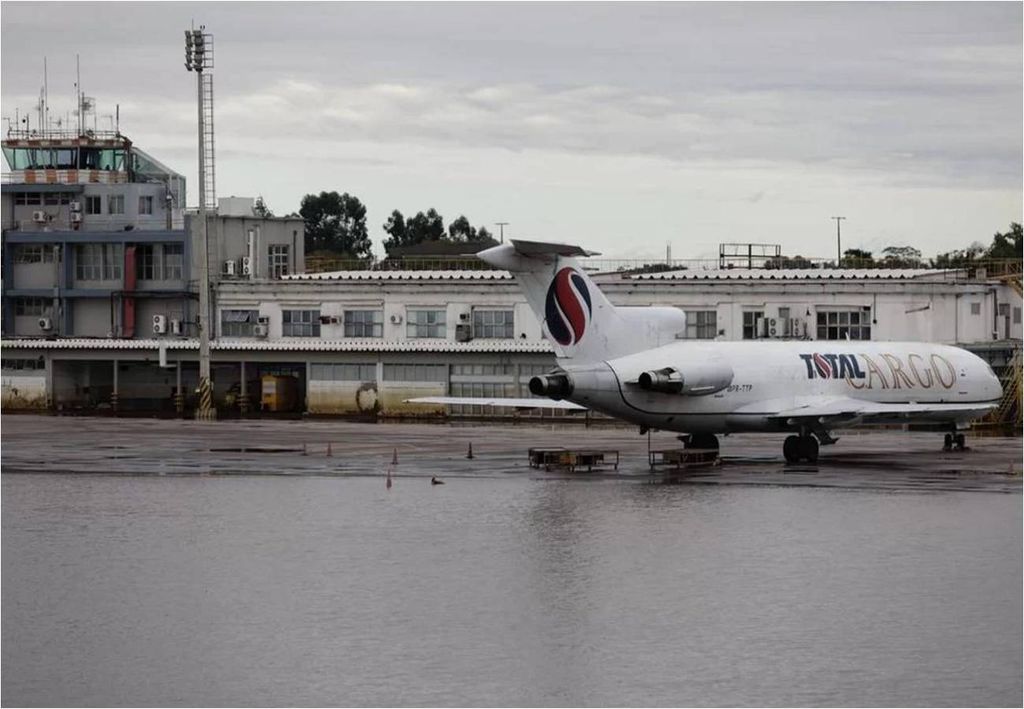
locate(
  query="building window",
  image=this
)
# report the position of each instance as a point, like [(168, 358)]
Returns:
[(844, 324), (146, 262), (425, 323), (145, 205), (469, 371), (30, 198), (238, 323), (975, 308), (98, 262), (493, 324), (174, 262), (156, 262), (416, 372), (17, 365), (751, 323), (115, 204), (1016, 315), (93, 204), (31, 307), (278, 260), (343, 372), (701, 324), (33, 253), (364, 323), (300, 323)]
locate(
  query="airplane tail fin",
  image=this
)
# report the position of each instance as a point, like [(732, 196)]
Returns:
[(576, 317)]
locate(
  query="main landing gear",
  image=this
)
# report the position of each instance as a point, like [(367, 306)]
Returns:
[(797, 448), (702, 441), (954, 441)]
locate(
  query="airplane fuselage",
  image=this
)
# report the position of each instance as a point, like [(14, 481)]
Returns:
[(748, 384)]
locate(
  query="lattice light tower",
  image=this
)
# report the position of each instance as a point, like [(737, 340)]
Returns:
[(199, 58)]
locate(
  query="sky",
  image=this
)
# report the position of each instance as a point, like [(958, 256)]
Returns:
[(623, 127)]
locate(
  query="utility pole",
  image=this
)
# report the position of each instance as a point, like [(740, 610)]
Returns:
[(501, 230), (199, 56), (839, 242)]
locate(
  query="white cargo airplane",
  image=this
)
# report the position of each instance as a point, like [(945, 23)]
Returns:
[(627, 362)]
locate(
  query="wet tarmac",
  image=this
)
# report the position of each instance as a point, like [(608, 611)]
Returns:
[(890, 459)]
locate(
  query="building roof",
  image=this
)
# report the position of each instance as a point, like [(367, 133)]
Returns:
[(283, 345), (730, 274), (792, 274), (401, 276)]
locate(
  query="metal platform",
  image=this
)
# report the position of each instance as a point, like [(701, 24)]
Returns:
[(573, 460)]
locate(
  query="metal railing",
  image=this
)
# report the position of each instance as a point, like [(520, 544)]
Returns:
[(975, 269)]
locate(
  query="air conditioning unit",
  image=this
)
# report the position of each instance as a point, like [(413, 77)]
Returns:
[(159, 324), (796, 327), (45, 324), (229, 267), (76, 216), (463, 332), (39, 216), (772, 329), (260, 330), (396, 319), (176, 326), (246, 266), (76, 206)]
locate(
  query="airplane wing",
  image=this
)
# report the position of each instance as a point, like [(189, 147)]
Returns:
[(497, 401), (835, 409)]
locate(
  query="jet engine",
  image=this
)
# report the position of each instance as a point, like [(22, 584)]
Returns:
[(556, 385), (693, 380)]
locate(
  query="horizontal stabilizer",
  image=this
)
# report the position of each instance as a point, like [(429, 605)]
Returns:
[(543, 248), (497, 401)]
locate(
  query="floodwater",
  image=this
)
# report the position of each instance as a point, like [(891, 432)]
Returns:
[(504, 590)]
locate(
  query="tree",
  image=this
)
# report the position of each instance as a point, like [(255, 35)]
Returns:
[(336, 223), (395, 227), (483, 235), (260, 209), (424, 227), (901, 257), (461, 230), (857, 258), (959, 258), (1008, 245)]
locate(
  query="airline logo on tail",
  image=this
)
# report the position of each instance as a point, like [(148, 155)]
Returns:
[(567, 308)]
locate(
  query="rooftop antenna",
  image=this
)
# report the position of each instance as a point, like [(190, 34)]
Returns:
[(46, 99), (78, 92)]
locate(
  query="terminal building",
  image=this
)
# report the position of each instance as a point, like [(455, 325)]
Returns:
[(100, 301)]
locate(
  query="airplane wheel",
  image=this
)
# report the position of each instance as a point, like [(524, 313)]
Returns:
[(703, 441), (791, 449), (809, 449), (961, 442), (947, 442)]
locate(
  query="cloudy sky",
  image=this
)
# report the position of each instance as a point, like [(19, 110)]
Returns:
[(623, 127)]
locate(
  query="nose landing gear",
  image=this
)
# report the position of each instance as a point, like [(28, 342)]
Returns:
[(797, 448)]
